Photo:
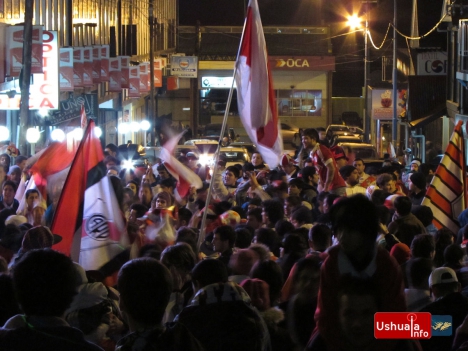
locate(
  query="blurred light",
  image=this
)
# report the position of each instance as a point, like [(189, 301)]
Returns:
[(135, 126), (43, 112), (205, 159), (354, 22), (186, 109), (32, 135), (57, 135), (77, 133), (4, 133), (123, 128), (383, 138), (127, 164), (97, 132), (145, 125)]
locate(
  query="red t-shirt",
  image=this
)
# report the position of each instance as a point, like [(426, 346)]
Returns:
[(322, 156)]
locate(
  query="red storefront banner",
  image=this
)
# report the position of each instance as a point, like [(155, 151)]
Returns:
[(66, 69), (125, 65), (88, 66), (14, 50), (115, 75), (105, 63), (134, 90), (78, 67), (97, 64), (402, 325), (145, 84)]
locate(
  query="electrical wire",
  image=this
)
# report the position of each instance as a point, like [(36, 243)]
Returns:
[(422, 36), (383, 41)]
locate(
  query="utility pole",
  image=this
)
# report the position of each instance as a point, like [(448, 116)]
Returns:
[(194, 95), (151, 20), (394, 79), (25, 77)]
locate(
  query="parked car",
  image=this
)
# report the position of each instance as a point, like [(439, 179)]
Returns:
[(213, 131), (337, 129), (367, 152), (235, 155), (251, 147), (336, 139)]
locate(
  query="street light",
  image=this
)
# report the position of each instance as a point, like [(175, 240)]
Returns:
[(354, 22)]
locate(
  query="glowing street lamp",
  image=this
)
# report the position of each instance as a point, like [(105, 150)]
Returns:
[(354, 22), (4, 133), (57, 135)]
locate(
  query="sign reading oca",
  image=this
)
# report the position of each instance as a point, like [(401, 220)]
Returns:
[(291, 63)]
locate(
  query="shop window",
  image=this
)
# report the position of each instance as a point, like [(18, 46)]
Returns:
[(299, 102)]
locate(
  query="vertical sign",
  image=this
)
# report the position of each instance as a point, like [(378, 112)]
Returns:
[(78, 67), (97, 64), (88, 66), (115, 75), (144, 77), (105, 63), (134, 90), (158, 73), (125, 64), (14, 50), (66, 69)]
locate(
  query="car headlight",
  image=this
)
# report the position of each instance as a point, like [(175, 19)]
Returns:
[(205, 159)]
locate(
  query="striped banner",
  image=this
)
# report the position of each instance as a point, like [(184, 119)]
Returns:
[(446, 195)]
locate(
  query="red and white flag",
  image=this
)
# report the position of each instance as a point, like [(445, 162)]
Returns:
[(446, 195), (88, 201), (255, 97), (185, 176), (84, 120)]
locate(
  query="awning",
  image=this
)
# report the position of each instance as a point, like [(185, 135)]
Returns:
[(423, 121)]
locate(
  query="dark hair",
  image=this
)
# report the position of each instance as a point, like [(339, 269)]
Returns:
[(45, 282), (140, 209), (320, 235), (302, 215), (268, 237), (307, 172), (167, 183), (293, 243), (112, 147), (274, 210), (452, 255), (355, 213), (402, 205), (283, 227), (179, 256), (209, 271), (270, 272), (31, 191), (294, 200), (19, 159), (109, 159), (311, 133), (184, 214), (234, 171), (145, 286), (442, 238), (330, 199), (10, 183), (297, 182), (359, 159), (382, 179), (243, 238), (422, 246), (256, 212), (226, 232), (378, 197), (418, 271)]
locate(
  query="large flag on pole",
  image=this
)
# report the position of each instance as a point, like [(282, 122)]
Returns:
[(446, 195), (88, 201), (255, 97)]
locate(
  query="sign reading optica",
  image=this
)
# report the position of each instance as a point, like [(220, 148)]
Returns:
[(44, 92)]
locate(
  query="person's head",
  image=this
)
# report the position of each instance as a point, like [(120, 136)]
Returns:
[(132, 184), (244, 236), (145, 194), (31, 196), (162, 172), (272, 211), (258, 291), (417, 182), (9, 191), (358, 301), (209, 271), (453, 255), (320, 237), (242, 261), (137, 211), (402, 205), (111, 161), (340, 157), (254, 218), (328, 202), (15, 174), (257, 159), (270, 272), (310, 137), (293, 243), (309, 175), (167, 185), (355, 223), (283, 227), (5, 159), (179, 257), (291, 203), (223, 238), (321, 132), (419, 270), (20, 161), (295, 186), (386, 183), (267, 237), (443, 281), (3, 172), (145, 286), (39, 209), (414, 165), (45, 282), (111, 150), (301, 216), (423, 245), (231, 174), (358, 163), (184, 216), (163, 200), (350, 174)]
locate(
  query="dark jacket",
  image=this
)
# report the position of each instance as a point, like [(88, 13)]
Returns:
[(221, 318)]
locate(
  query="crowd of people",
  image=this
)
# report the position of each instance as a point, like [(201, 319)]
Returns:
[(299, 257)]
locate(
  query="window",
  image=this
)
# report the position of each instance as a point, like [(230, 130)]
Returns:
[(299, 102)]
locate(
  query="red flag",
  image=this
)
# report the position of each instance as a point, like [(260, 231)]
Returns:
[(84, 120), (88, 200), (446, 195), (185, 176), (55, 158), (255, 97)]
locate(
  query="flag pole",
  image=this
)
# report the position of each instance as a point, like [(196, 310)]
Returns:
[(201, 236)]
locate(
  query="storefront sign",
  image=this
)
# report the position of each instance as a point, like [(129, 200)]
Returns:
[(115, 74), (105, 63), (66, 69), (97, 64), (125, 64), (432, 63), (302, 63), (134, 90), (71, 108), (382, 103), (184, 66), (44, 92), (78, 67), (88, 66), (145, 85), (217, 82), (14, 50)]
